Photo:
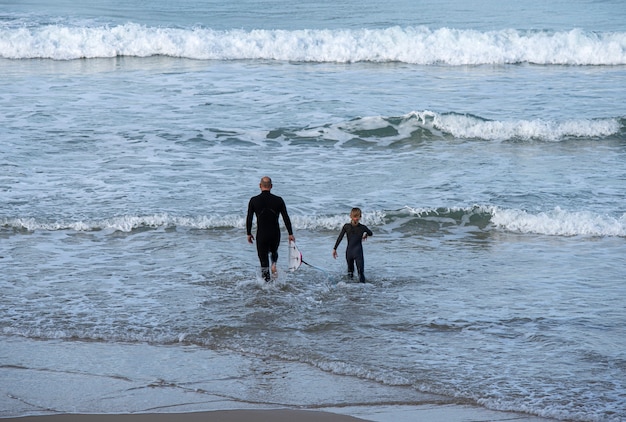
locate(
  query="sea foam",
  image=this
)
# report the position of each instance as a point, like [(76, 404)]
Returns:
[(555, 222), (435, 125), (415, 45), (559, 222)]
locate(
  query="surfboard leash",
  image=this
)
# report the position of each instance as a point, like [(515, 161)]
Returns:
[(313, 266)]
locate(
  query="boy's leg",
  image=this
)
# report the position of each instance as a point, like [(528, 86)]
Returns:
[(350, 261), (360, 266)]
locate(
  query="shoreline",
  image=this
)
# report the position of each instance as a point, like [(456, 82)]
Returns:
[(404, 413), (277, 415), (56, 380), (397, 413)]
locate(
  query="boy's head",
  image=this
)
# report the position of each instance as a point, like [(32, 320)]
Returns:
[(355, 215)]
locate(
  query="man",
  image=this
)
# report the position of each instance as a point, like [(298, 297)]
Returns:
[(267, 207)]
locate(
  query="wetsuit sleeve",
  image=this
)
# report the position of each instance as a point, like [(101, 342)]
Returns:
[(249, 217), (340, 237), (368, 231), (286, 219)]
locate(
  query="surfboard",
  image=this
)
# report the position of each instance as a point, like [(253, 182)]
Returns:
[(295, 257)]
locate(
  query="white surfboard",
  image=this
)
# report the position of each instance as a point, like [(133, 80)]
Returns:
[(295, 257)]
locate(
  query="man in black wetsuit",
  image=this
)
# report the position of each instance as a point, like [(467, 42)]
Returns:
[(354, 252), (267, 207)]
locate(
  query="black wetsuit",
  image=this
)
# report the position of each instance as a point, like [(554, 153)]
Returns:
[(354, 251), (267, 207)]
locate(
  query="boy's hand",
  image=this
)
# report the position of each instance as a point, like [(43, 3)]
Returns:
[(335, 253)]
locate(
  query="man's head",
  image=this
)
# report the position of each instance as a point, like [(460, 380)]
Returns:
[(266, 183)]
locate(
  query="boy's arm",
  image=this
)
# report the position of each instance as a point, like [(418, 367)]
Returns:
[(340, 237), (366, 231)]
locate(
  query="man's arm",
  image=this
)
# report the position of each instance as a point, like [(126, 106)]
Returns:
[(287, 221), (249, 218)]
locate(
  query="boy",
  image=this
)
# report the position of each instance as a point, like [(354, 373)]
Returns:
[(356, 232)]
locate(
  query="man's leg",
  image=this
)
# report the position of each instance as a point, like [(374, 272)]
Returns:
[(262, 248), (274, 255)]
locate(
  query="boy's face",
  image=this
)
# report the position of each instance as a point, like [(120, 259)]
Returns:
[(355, 218)]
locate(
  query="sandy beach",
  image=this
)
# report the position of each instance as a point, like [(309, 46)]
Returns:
[(400, 414), (280, 415), (101, 382)]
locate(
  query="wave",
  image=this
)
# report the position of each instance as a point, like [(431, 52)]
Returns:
[(556, 222), (417, 127), (414, 45), (126, 223), (429, 125)]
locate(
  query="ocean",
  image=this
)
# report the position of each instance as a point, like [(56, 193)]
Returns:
[(484, 141)]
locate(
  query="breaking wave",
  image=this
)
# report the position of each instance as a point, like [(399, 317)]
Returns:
[(429, 125), (414, 45), (556, 222)]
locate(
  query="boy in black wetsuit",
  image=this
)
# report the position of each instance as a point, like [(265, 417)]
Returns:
[(356, 232), (267, 207)]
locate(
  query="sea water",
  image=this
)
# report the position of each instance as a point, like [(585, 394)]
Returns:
[(485, 143)]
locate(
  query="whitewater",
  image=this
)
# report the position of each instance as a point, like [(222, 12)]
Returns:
[(414, 45)]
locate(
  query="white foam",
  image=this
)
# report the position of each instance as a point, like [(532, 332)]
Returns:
[(128, 223), (556, 222), (464, 126), (559, 222), (416, 45)]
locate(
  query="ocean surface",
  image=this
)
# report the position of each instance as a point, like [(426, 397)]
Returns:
[(484, 141)]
